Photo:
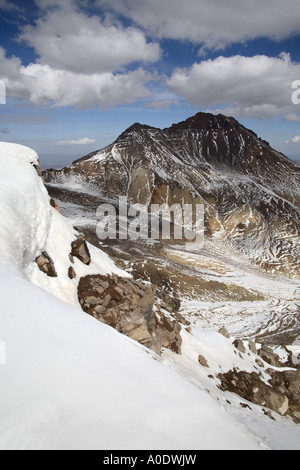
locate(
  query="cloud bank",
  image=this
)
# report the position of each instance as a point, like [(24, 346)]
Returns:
[(258, 86), (70, 40), (82, 60), (42, 85), (214, 24), (87, 58)]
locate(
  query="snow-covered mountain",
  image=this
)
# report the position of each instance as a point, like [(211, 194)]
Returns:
[(250, 191), (69, 381)]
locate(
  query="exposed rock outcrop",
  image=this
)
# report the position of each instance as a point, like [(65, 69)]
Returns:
[(288, 383), (239, 345), (128, 306), (252, 388), (276, 387)]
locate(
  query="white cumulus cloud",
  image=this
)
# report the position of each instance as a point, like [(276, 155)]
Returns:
[(81, 60), (258, 86), (68, 39), (41, 84)]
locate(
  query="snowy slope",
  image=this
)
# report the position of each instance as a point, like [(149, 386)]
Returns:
[(73, 383), (70, 382)]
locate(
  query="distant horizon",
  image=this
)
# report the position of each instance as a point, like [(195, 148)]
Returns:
[(69, 161)]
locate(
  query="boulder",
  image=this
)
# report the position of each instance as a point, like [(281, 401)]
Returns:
[(288, 383), (46, 264), (239, 345), (202, 361), (80, 250), (252, 346), (71, 273), (266, 353)]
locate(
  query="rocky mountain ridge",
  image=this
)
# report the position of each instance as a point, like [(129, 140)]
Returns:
[(250, 191)]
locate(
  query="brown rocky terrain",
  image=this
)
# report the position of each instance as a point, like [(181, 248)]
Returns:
[(129, 307), (276, 388)]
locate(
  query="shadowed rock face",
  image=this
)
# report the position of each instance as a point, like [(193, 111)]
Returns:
[(250, 191)]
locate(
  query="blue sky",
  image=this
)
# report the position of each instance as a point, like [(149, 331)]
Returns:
[(77, 73)]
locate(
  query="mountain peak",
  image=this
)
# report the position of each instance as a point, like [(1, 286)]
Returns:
[(200, 139), (209, 121), (136, 128)]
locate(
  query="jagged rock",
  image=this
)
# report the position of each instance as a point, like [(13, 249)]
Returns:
[(46, 264), (80, 250), (37, 168), (269, 414), (245, 405), (168, 330), (172, 304), (259, 362), (250, 387), (288, 383), (128, 306), (115, 292), (239, 345), (289, 360), (224, 332), (71, 273), (266, 353)]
